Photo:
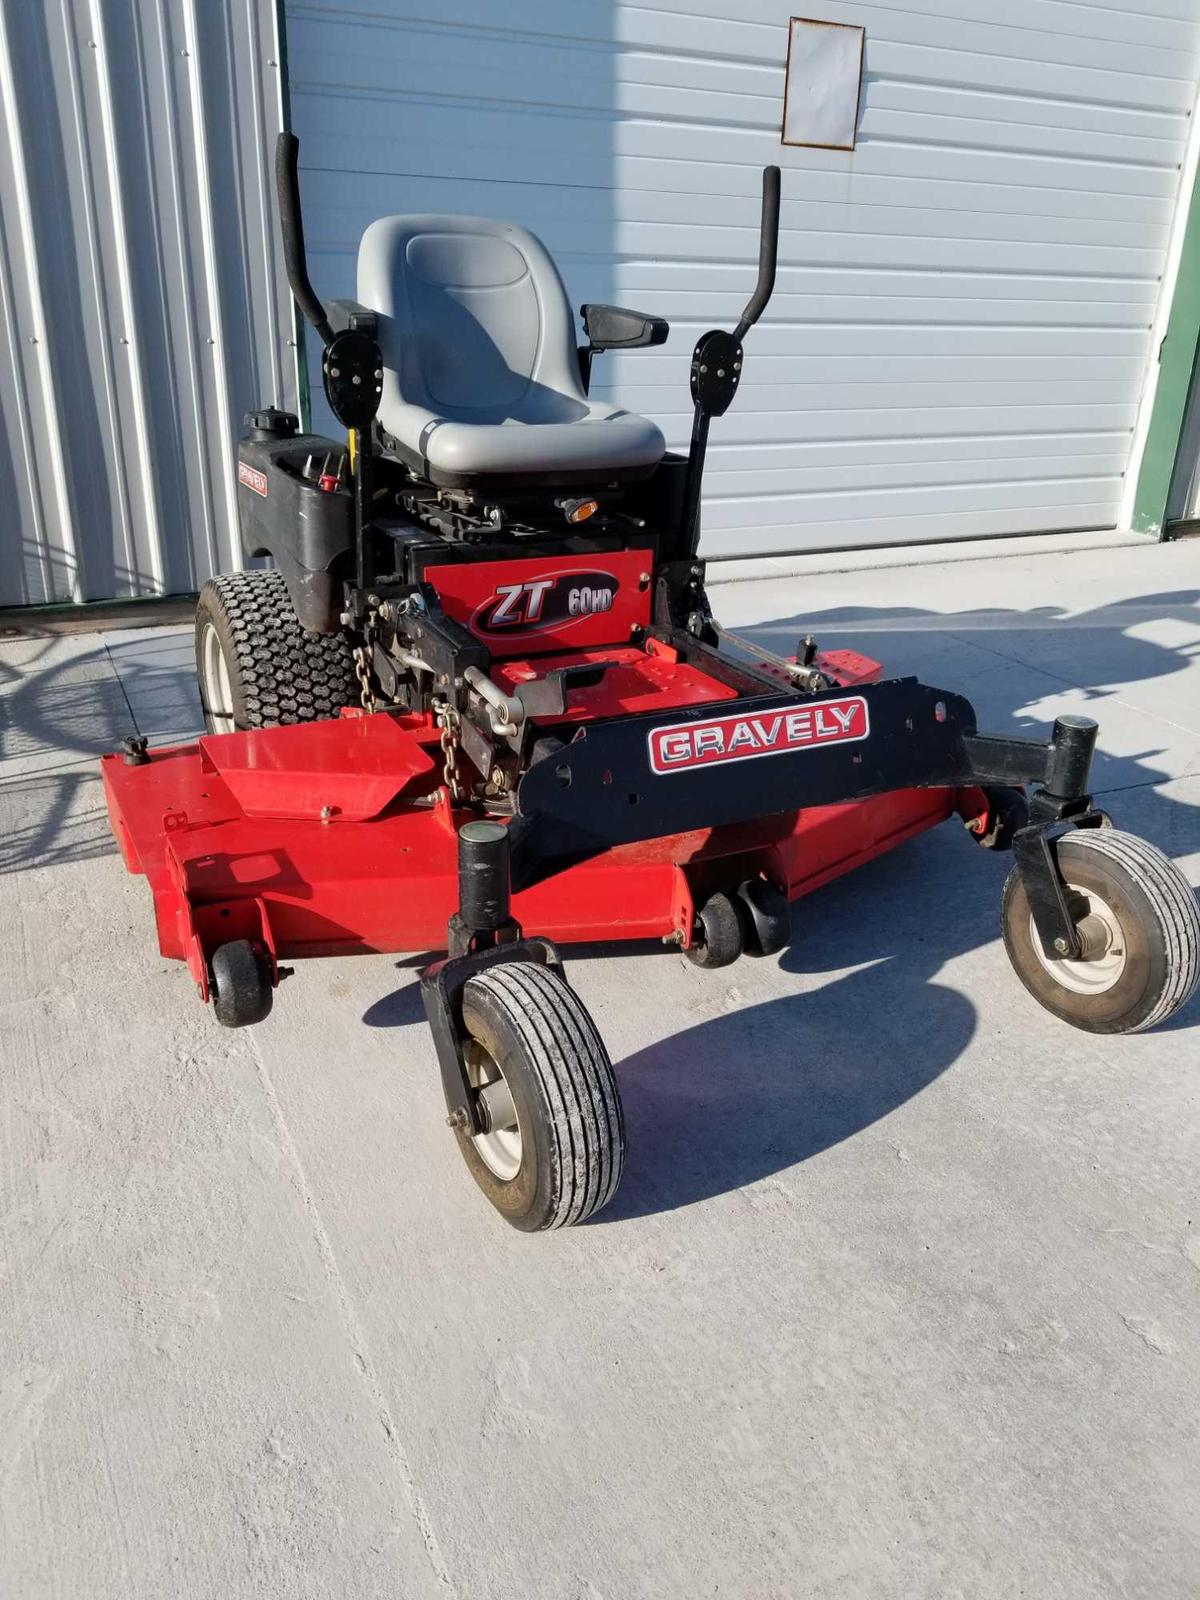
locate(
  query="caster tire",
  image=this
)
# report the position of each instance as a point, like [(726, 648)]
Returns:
[(240, 989), (717, 935), (1009, 812), (257, 667), (1138, 916), (556, 1156)]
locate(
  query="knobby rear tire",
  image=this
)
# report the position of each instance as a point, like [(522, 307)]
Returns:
[(277, 671)]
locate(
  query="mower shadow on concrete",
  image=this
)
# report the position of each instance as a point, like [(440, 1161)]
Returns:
[(742, 1096)]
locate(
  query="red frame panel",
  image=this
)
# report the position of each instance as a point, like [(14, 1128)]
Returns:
[(548, 602)]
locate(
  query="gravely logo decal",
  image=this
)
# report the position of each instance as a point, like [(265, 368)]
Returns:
[(551, 601), (686, 745), (252, 479)]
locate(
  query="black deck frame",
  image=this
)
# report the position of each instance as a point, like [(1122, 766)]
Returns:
[(599, 791)]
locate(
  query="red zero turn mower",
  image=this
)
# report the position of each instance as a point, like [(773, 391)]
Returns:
[(480, 704)]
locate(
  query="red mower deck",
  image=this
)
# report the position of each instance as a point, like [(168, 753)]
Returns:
[(335, 838)]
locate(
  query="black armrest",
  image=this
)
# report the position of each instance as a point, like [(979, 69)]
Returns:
[(614, 328)]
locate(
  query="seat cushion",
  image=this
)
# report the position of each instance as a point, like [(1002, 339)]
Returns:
[(602, 441)]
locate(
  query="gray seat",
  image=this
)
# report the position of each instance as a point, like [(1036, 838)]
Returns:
[(481, 371)]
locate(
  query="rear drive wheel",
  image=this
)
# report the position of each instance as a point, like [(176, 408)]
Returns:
[(258, 668), (555, 1145), (1138, 920)]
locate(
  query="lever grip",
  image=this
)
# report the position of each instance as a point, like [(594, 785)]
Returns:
[(291, 226), (768, 249)]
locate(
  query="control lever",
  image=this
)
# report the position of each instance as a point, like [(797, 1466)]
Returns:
[(717, 360)]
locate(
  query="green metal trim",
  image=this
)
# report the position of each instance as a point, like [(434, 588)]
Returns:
[(303, 389), (1176, 363)]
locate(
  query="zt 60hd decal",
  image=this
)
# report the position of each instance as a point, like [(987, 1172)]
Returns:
[(686, 745), (546, 602)]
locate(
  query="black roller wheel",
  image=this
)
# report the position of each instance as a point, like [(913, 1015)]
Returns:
[(1140, 927), (240, 986), (257, 667), (555, 1143), (717, 934), (1008, 810), (766, 917)]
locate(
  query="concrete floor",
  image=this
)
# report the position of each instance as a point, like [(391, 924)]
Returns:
[(898, 1299)]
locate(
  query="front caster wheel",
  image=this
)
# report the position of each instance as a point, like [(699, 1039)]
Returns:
[(1137, 917), (555, 1141), (241, 984)]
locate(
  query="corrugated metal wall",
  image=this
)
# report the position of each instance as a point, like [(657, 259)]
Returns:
[(961, 330), (141, 312)]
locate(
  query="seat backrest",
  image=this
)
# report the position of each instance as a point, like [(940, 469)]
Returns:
[(474, 321)]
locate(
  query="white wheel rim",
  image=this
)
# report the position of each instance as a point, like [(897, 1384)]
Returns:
[(500, 1149), (218, 692), (1096, 974)]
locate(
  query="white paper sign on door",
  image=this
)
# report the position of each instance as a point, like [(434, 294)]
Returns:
[(824, 76)]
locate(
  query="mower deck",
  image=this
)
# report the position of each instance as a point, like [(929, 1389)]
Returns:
[(337, 838)]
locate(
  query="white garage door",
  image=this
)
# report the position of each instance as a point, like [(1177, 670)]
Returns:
[(961, 327)]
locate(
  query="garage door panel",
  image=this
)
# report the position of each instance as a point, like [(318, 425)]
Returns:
[(1038, 138), (474, 66), (1099, 452), (1165, 26), (629, 376), (923, 97), (407, 127), (894, 527), (1139, 47), (797, 397), (914, 422), (693, 245), (835, 292), (733, 511), (1055, 33), (961, 325), (794, 344), (751, 104), (568, 217), (544, 162), (785, 483)]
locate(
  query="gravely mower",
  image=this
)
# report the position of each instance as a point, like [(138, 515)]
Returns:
[(480, 704)]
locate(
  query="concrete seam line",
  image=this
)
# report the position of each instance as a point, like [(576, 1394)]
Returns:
[(358, 1341)]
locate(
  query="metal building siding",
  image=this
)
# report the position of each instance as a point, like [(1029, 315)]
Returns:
[(141, 312), (961, 328)]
